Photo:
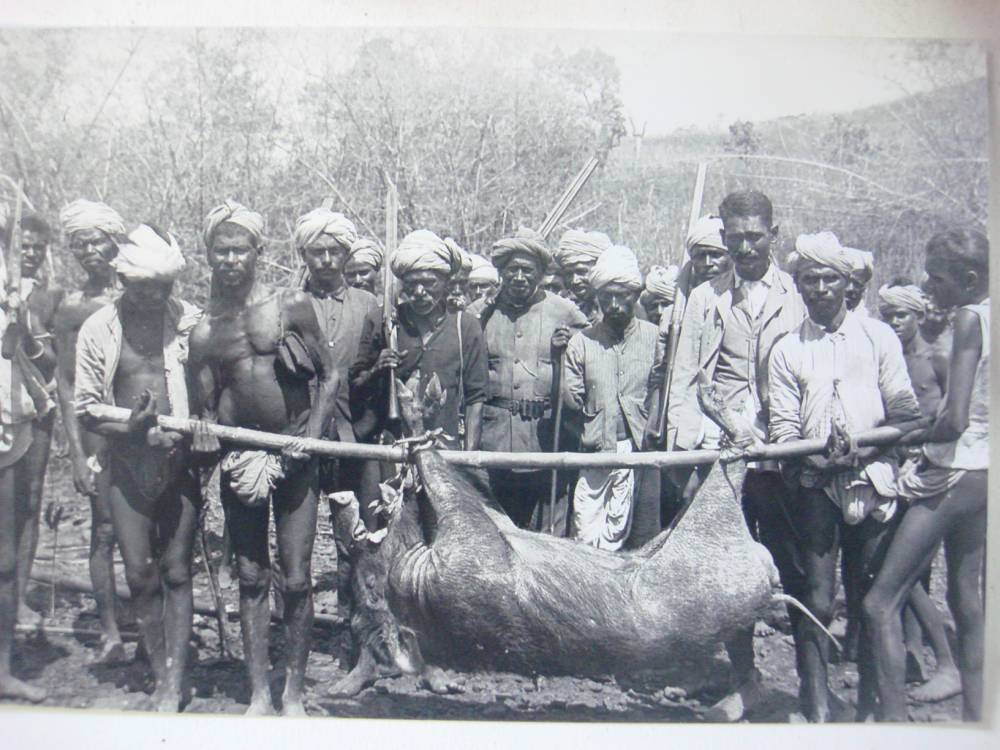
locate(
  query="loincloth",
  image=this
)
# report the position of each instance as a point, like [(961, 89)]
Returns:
[(151, 471), (919, 480), (253, 475)]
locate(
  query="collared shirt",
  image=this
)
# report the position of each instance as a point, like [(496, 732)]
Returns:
[(755, 292), (855, 375), (341, 316), (605, 378), (461, 370), (99, 347), (520, 368)]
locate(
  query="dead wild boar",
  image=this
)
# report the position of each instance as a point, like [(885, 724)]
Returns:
[(455, 582)]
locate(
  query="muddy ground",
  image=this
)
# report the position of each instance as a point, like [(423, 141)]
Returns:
[(62, 662)]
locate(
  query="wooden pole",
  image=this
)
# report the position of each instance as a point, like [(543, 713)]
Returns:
[(557, 426), (388, 297), (888, 435)]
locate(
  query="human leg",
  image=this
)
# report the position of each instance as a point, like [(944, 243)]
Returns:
[(946, 680), (10, 686), (31, 473), (295, 510), (248, 531), (101, 566)]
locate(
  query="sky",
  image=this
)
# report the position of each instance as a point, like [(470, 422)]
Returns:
[(667, 81)]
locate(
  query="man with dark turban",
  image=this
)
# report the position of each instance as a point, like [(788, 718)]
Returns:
[(430, 339), (606, 376), (576, 254), (93, 232), (526, 331), (364, 263)]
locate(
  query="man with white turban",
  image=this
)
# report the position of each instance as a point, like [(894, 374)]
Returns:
[(364, 262), (483, 278), (660, 290), (606, 372), (458, 297), (526, 331), (862, 269), (430, 339), (730, 325), (132, 352), (576, 254), (93, 232), (260, 359), (26, 419), (836, 374)]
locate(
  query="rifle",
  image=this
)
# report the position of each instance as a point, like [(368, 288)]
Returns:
[(676, 316), (388, 296), (10, 343)]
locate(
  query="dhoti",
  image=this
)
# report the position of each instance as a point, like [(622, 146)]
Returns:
[(602, 504)]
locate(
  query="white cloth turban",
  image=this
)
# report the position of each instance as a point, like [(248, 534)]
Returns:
[(822, 248), (147, 256), (233, 213), (576, 246), (83, 214), (706, 231), (483, 270), (617, 265), (907, 296), (466, 257), (310, 226), (423, 250), (366, 251), (861, 260), (662, 282), (526, 241)]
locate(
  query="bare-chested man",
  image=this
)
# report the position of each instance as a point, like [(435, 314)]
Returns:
[(26, 411), (90, 229), (131, 353), (252, 361)]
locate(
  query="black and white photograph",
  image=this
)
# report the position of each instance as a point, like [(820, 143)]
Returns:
[(494, 374)]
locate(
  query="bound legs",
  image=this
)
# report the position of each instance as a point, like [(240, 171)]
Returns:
[(295, 509), (958, 517), (156, 538)]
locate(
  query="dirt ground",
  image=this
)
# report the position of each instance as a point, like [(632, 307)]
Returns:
[(62, 662)]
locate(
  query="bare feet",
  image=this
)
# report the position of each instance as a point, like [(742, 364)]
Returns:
[(167, 701), (11, 687), (28, 616), (435, 680), (294, 707), (112, 652), (260, 707), (945, 683), (762, 630), (734, 706)]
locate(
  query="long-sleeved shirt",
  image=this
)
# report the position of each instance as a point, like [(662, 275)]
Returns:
[(605, 378), (99, 347), (457, 368), (856, 375), (341, 316), (520, 369)]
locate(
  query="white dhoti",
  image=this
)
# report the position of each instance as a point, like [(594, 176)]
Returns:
[(253, 475), (602, 504)]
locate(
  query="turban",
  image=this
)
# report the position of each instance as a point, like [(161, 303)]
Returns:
[(617, 265), (909, 297), (147, 256), (706, 231), (662, 282), (366, 251), (234, 213), (526, 241), (483, 270), (423, 250), (81, 214), (466, 257), (576, 246), (823, 249), (861, 260), (310, 226)]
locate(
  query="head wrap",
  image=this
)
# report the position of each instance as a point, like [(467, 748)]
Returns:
[(662, 282), (526, 241), (365, 250), (483, 270), (576, 246), (706, 231), (233, 213), (423, 250), (83, 214), (617, 265), (147, 256), (310, 226), (861, 260), (466, 257), (822, 248), (907, 296)]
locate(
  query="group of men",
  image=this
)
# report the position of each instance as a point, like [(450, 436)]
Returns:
[(509, 340)]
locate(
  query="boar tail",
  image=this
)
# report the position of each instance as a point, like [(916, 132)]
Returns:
[(805, 610)]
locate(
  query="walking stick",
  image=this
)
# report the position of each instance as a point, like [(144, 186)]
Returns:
[(557, 425), (215, 590), (53, 515)]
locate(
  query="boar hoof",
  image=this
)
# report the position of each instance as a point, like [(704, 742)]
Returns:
[(435, 680)]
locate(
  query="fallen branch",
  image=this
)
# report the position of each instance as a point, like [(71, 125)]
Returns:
[(903, 433)]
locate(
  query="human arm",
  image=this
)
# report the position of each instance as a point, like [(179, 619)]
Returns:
[(475, 378), (84, 479), (301, 318), (574, 382)]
